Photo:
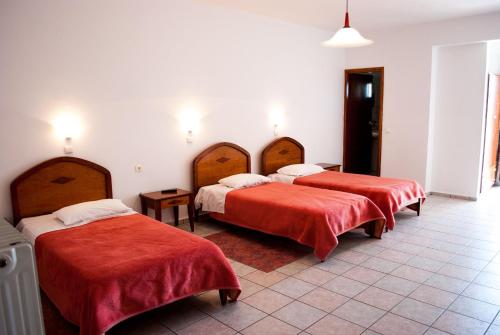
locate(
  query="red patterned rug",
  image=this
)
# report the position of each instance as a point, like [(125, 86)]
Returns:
[(261, 251)]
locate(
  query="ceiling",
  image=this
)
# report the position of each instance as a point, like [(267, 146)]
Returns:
[(365, 14)]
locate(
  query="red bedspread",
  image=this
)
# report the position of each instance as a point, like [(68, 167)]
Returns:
[(310, 216), (390, 195), (104, 272)]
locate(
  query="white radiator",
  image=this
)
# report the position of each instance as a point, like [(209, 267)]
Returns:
[(20, 308)]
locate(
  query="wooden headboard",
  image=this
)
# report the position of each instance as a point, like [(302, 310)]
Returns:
[(281, 152), (57, 183), (219, 161)]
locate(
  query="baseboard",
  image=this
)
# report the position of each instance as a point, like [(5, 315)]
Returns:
[(453, 196)]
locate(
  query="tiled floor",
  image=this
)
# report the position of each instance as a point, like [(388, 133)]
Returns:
[(434, 274)]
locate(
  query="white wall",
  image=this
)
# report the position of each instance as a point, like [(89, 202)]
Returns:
[(457, 107), (129, 67), (406, 54), (494, 57)]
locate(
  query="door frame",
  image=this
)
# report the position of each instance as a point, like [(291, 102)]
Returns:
[(380, 112), (486, 114)]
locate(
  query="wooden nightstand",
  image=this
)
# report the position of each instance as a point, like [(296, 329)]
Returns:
[(330, 166), (159, 201)]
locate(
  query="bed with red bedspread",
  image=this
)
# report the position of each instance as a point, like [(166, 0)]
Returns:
[(389, 194), (310, 216), (103, 272)]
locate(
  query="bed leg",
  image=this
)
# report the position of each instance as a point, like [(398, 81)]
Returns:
[(416, 206), (223, 297), (375, 228)]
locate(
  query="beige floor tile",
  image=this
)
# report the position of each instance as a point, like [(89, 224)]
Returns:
[(458, 324), (447, 283), (437, 255), (267, 300), (265, 278), (270, 326), (238, 315), (483, 293), (409, 248), (206, 326), (315, 276), (379, 298), (392, 324), (345, 286), (411, 273), (364, 275), (248, 288), (493, 330), (359, 313), (381, 265), (468, 262), (395, 256), (299, 314), (335, 266), (425, 263), (417, 311), (433, 331), (293, 268), (458, 272), (433, 296), (293, 287), (369, 249), (474, 308), (493, 268), (350, 256), (488, 279), (324, 299), (332, 325), (397, 285), (241, 269), (309, 260)]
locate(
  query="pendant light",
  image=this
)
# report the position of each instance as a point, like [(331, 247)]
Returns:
[(347, 37)]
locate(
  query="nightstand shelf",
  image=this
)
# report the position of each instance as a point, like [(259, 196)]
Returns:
[(330, 166), (159, 201)]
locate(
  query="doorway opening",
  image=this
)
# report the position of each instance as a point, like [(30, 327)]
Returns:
[(363, 111), (490, 174)]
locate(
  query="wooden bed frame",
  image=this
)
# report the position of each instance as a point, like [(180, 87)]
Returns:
[(286, 151), (61, 182), (57, 183), (226, 159), (219, 161)]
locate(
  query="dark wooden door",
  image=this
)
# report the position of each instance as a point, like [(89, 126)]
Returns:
[(491, 139), (362, 121)]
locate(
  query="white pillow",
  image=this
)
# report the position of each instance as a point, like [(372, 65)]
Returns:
[(300, 169), (244, 180), (90, 211)]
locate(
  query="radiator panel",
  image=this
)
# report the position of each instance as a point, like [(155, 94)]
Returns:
[(20, 308)]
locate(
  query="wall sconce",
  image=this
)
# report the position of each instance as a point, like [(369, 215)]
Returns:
[(277, 117), (190, 121), (189, 137), (67, 126)]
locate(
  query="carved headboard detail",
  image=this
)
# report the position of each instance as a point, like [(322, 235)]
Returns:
[(57, 183), (219, 161), (281, 152)]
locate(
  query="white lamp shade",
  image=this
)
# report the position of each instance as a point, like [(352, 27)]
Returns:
[(347, 38)]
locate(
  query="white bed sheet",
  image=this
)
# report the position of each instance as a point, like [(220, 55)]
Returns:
[(281, 178), (212, 198), (35, 226)]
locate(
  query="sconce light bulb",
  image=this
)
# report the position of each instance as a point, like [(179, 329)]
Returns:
[(275, 130), (189, 137)]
